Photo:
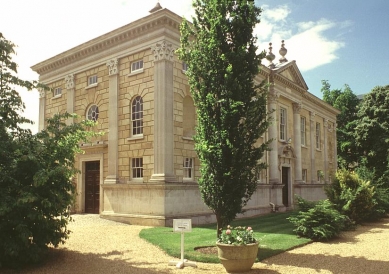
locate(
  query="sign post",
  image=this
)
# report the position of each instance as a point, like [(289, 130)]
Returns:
[(182, 226)]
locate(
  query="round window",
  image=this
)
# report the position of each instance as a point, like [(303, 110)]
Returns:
[(93, 113)]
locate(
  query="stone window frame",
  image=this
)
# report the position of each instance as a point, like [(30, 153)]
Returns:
[(185, 67), (137, 66), (136, 169), (283, 123), (303, 124), (188, 168), (92, 113), (137, 116), (92, 81), (318, 135), (57, 92), (304, 174)]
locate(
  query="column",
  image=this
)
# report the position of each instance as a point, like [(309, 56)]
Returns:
[(325, 148), (335, 148), (69, 85), (113, 152), (42, 109), (163, 112), (298, 178), (313, 146), (273, 135)]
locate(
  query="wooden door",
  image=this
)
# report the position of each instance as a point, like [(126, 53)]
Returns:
[(92, 187), (285, 189)]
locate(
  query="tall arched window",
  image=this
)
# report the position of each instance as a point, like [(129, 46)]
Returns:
[(137, 116)]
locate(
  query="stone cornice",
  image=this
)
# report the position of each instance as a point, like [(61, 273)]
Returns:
[(114, 41)]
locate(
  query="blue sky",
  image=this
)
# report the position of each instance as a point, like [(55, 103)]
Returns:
[(342, 41)]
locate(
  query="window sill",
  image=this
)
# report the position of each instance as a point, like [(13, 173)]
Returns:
[(135, 72), (135, 137), (303, 146), (187, 138), (56, 97), (92, 86)]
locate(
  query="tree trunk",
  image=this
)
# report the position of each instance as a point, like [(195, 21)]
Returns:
[(219, 225)]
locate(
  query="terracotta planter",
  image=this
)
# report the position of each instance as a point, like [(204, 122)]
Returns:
[(237, 258)]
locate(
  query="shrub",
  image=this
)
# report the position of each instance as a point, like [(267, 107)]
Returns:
[(351, 195), (319, 221)]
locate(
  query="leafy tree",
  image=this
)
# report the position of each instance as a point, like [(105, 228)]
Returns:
[(220, 50), (347, 102), (36, 173), (372, 131)]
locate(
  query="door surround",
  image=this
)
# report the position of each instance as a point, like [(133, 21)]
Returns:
[(80, 199)]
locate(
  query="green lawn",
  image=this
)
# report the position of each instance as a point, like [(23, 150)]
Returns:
[(274, 231)]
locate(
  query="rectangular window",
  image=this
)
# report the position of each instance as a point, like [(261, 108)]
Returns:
[(57, 91), (137, 167), (92, 80), (137, 66), (318, 144), (184, 66), (305, 172), (303, 133), (320, 175), (282, 124), (188, 168)]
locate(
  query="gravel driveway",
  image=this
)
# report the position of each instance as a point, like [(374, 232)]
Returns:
[(101, 246)]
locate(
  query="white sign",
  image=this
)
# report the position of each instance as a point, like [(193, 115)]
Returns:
[(182, 225)]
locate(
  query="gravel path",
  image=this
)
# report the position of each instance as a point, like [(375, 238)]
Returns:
[(101, 246)]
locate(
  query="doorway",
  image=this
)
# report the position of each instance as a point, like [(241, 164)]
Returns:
[(285, 189), (92, 187)]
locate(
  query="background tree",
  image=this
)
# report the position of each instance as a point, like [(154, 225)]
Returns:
[(347, 102), (36, 173), (220, 50), (372, 130)]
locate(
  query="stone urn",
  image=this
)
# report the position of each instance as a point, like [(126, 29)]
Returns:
[(237, 258)]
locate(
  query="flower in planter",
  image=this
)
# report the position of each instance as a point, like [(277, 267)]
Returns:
[(239, 235)]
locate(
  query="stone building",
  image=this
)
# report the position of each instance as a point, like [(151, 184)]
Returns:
[(143, 170)]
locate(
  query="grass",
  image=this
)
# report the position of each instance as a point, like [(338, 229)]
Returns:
[(274, 231)]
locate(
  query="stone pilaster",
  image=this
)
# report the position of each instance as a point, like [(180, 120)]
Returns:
[(113, 150), (69, 85), (273, 135), (297, 142), (163, 112), (313, 146), (326, 164), (335, 148), (42, 109)]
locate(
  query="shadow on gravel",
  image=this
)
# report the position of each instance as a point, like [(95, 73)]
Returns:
[(61, 261), (334, 263)]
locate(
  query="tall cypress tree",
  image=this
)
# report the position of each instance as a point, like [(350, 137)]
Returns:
[(221, 52)]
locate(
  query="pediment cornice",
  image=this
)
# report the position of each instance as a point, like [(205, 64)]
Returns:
[(110, 42)]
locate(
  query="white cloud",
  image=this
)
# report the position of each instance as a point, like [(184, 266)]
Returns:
[(307, 42)]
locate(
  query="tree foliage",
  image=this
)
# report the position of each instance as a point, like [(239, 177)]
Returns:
[(221, 52), (347, 102), (372, 130), (36, 172)]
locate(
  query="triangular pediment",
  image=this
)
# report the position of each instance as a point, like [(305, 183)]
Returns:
[(291, 73)]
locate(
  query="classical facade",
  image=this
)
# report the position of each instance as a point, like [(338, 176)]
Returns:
[(144, 169)]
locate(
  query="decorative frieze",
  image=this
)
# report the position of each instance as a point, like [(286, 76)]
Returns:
[(69, 81), (112, 67), (163, 51)]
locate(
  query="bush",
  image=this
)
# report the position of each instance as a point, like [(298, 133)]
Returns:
[(351, 195), (381, 193), (318, 221), (36, 189)]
